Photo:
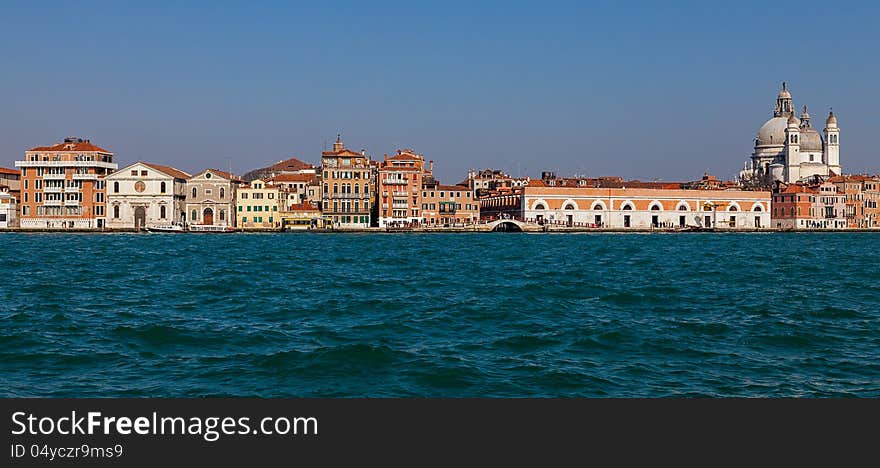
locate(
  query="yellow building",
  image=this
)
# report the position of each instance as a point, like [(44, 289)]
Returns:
[(257, 206)]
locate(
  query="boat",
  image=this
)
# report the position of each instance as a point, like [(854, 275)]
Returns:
[(210, 228), (164, 228)]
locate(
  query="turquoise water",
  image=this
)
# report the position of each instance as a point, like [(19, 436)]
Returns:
[(443, 315)]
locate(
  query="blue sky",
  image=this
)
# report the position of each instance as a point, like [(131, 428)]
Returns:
[(651, 90)]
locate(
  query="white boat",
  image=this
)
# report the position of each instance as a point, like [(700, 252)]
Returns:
[(210, 228), (164, 228)]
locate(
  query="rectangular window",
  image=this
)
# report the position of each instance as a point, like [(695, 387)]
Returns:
[(270, 219), (143, 173), (134, 172), (239, 208), (243, 219), (248, 208)]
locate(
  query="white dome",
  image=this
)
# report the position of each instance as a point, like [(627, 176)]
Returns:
[(810, 139), (772, 132)]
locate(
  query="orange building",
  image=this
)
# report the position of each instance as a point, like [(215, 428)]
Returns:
[(451, 205), (62, 185), (800, 206), (400, 180), (862, 194), (348, 190)]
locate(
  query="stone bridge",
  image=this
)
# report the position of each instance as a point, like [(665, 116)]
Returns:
[(510, 225)]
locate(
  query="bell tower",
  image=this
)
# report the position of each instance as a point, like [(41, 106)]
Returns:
[(784, 106)]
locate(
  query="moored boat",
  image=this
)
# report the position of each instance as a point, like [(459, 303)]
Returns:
[(210, 228), (164, 228)]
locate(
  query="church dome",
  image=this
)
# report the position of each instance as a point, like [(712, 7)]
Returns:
[(772, 132), (810, 140)]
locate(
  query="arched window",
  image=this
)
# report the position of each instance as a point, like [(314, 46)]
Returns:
[(597, 207), (162, 190), (366, 189), (655, 207), (758, 208), (194, 215), (194, 192), (627, 207), (116, 209), (325, 188), (540, 207), (357, 188), (335, 188), (682, 207), (733, 208), (222, 194), (569, 206), (116, 189), (162, 210), (222, 214)]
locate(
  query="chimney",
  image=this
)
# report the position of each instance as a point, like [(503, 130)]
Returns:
[(431, 165)]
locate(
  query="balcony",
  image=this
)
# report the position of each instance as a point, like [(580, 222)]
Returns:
[(399, 194), (49, 189), (105, 165), (346, 196), (52, 203), (71, 189), (85, 177), (71, 202), (54, 176), (395, 181)]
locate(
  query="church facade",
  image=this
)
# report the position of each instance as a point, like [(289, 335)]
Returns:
[(788, 149)]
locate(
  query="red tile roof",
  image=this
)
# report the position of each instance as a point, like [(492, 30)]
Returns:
[(291, 178), (453, 188), (303, 207), (290, 165), (80, 146), (174, 172), (3, 170)]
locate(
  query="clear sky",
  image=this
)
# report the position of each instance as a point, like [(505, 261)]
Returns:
[(654, 90)]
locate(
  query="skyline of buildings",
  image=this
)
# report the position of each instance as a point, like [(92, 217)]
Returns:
[(77, 185)]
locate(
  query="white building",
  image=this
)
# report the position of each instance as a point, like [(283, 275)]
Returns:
[(789, 149), (146, 195), (8, 210)]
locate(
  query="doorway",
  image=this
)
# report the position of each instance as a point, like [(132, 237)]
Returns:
[(626, 221), (140, 217), (208, 217)]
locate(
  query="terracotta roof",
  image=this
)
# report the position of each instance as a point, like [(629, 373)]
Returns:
[(454, 188), (302, 207), (3, 170), (174, 172), (291, 178), (342, 152), (80, 146), (292, 165)]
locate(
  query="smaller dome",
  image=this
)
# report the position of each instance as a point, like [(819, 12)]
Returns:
[(792, 120), (784, 93), (810, 140), (831, 121)]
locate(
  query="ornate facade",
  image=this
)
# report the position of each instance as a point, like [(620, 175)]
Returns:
[(789, 149)]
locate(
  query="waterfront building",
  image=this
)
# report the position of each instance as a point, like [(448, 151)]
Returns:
[(8, 209), (399, 187), (450, 205), (788, 149), (146, 195), (257, 206), (295, 186), (613, 203), (862, 195), (803, 207), (348, 192), (292, 166), (62, 185), (302, 216), (210, 198), (10, 179), (488, 180), (10, 185)]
